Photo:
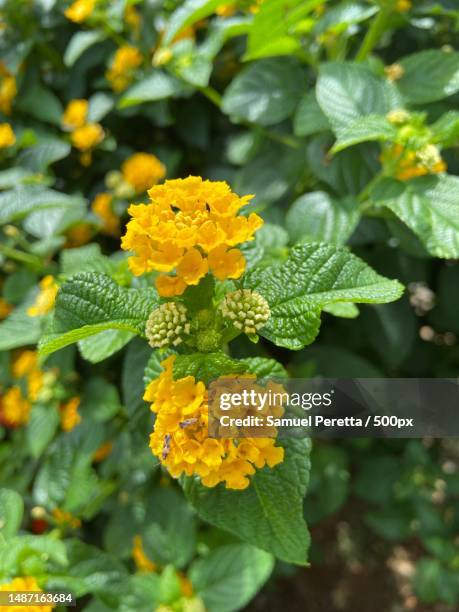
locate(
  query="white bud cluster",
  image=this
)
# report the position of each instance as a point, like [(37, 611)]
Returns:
[(429, 156), (167, 325), (247, 310)]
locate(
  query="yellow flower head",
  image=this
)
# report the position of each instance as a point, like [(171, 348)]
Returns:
[(180, 437), (75, 114), (44, 301), (102, 452), (23, 584), (406, 164), (7, 137), (14, 409), (191, 226), (80, 10), (141, 560), (142, 171), (78, 235), (65, 519), (8, 90), (5, 308), (69, 414), (103, 208), (121, 71), (132, 18), (87, 137), (402, 6), (25, 365), (394, 72)]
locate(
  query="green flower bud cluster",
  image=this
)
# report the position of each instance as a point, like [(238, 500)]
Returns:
[(167, 325), (247, 310)]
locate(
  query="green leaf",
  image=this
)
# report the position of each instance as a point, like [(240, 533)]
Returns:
[(19, 329), (25, 199), (364, 129), (42, 104), (317, 216), (339, 18), (429, 76), (206, 366), (269, 512), (87, 258), (429, 205), (100, 104), (273, 26), (315, 275), (79, 43), (265, 368), (89, 303), (43, 424), (104, 344), (446, 129), (156, 86), (228, 577), (11, 512), (266, 92), (41, 155), (190, 12), (309, 117), (345, 310), (14, 176), (347, 92), (21, 547)]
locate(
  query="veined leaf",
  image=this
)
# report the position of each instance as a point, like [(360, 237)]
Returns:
[(429, 75), (79, 43), (429, 205), (347, 92), (17, 203), (269, 512), (309, 117), (266, 92), (89, 303), (206, 366), (315, 275), (364, 129), (153, 87), (189, 13), (11, 512)]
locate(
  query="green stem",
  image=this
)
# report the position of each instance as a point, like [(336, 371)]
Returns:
[(17, 255), (374, 32)]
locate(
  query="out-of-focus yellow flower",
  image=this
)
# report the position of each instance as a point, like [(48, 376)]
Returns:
[(102, 452), (44, 301), (7, 137), (80, 10), (141, 560), (14, 409), (122, 68), (87, 137), (69, 414), (142, 171), (190, 226), (8, 89), (185, 585), (181, 441), (226, 10), (78, 235), (132, 18), (5, 308), (402, 6), (102, 206), (25, 365), (23, 584), (75, 114), (405, 164), (394, 72), (65, 519)]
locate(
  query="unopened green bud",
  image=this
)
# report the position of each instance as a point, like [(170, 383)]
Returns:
[(398, 116), (167, 325), (208, 341), (113, 179), (247, 310)]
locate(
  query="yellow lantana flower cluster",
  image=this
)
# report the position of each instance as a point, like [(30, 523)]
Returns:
[(191, 226), (406, 164), (65, 519), (7, 137), (142, 170), (180, 437), (69, 415), (44, 301), (142, 561), (8, 89), (84, 135), (23, 584), (102, 207), (124, 63), (80, 10)]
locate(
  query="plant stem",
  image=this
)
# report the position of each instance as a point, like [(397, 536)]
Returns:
[(17, 255), (374, 32)]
